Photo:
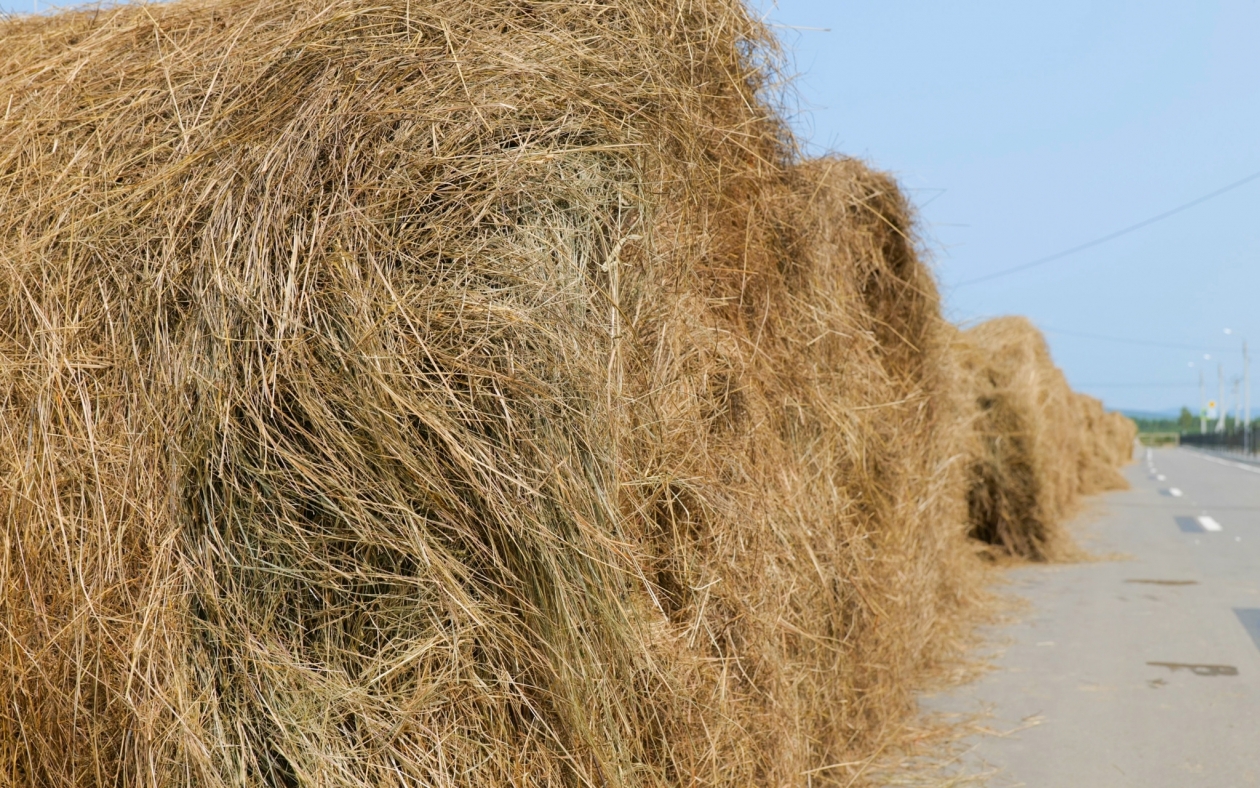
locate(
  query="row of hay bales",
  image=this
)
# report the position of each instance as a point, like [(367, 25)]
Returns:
[(477, 392), (1036, 447)]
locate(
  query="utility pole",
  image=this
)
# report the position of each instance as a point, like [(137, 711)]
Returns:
[(1202, 405), (1246, 400), (1236, 401), (1220, 399)]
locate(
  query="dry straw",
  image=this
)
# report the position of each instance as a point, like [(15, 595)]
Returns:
[(459, 392), (1037, 445)]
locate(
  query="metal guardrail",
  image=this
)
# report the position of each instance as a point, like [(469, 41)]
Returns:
[(1235, 441)]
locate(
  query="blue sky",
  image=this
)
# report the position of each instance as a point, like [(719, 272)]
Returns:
[(1022, 129)]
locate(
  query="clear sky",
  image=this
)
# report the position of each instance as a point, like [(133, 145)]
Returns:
[(1022, 129)]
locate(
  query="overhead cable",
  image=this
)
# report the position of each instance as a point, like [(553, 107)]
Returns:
[(1110, 236)]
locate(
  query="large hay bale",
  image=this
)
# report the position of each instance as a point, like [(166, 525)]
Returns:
[(454, 393), (1037, 445)]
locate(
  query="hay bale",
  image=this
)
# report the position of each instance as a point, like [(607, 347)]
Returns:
[(471, 393), (1037, 446), (1107, 447), (454, 393)]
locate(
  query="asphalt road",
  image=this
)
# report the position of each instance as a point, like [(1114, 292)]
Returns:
[(1143, 670)]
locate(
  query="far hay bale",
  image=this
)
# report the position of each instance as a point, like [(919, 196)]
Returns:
[(454, 393), (1108, 446), (1037, 446)]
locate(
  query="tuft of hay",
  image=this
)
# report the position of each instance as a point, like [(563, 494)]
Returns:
[(1037, 446)]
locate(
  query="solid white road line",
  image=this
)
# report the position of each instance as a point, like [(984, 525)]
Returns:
[(1218, 461), (1208, 523)]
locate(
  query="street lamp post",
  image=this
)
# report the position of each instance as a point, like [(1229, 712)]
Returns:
[(1246, 400), (1233, 408), (1202, 405), (1220, 397), (1246, 395)]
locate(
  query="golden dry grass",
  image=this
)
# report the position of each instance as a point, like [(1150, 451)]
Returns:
[(1037, 446), (457, 393)]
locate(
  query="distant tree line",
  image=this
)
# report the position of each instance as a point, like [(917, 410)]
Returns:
[(1187, 422)]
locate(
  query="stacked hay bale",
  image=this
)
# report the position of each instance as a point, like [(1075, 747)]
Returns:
[(1037, 446), (455, 393), (1109, 446)]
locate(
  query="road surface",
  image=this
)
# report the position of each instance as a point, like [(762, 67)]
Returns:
[(1139, 671)]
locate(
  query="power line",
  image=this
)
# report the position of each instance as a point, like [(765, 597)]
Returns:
[(1163, 385), (1128, 341), (1111, 236)]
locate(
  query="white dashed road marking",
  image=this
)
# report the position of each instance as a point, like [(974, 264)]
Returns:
[(1208, 523), (1174, 492)]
